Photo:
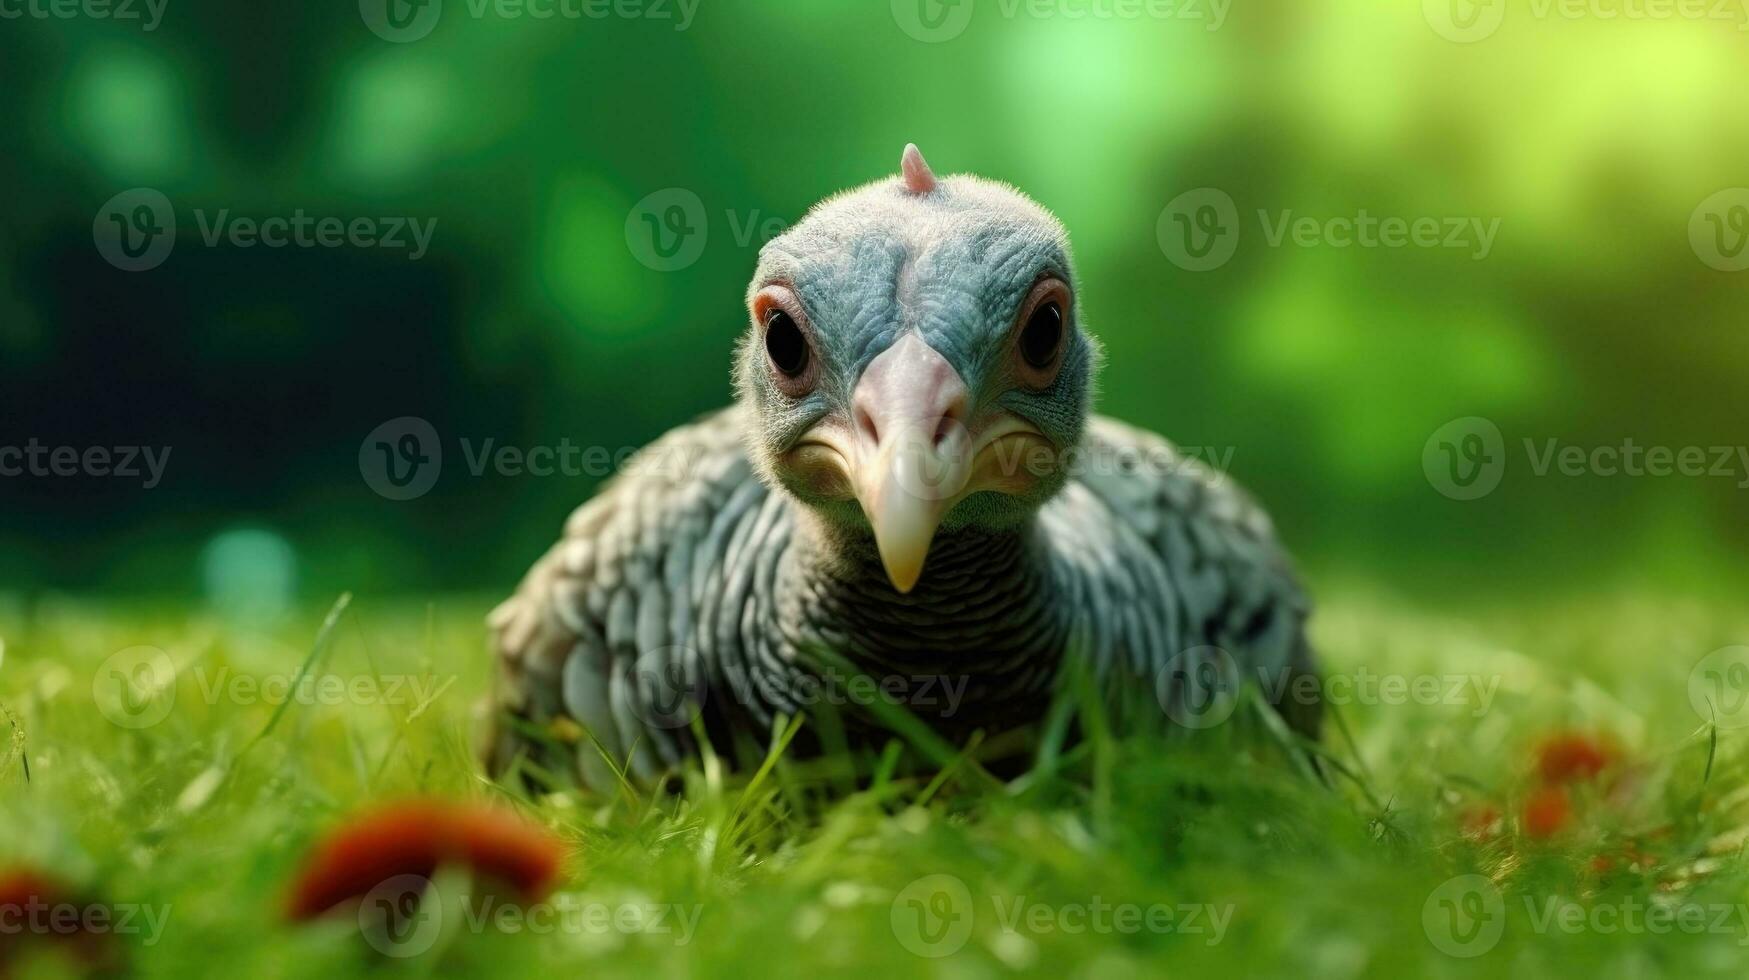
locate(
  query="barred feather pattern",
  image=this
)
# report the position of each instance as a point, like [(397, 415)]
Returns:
[(687, 584)]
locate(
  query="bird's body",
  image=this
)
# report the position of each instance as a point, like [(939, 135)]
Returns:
[(746, 574)]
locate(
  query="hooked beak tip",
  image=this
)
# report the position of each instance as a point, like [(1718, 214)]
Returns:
[(903, 574), (903, 527), (903, 513)]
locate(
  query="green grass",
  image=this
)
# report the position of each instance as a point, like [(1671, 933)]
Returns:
[(207, 813)]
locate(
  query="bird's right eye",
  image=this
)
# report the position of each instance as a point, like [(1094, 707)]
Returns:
[(785, 345), (1038, 342)]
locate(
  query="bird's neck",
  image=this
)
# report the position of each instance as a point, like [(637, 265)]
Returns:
[(981, 620)]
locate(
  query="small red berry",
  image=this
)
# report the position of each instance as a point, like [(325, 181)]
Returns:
[(1572, 757), (1547, 811)]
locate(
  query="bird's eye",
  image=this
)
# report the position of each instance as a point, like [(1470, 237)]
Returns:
[(1038, 342), (784, 344)]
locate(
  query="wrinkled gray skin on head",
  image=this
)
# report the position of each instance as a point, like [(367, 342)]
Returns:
[(953, 264)]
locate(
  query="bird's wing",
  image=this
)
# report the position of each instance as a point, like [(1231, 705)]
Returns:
[(600, 636), (1174, 556)]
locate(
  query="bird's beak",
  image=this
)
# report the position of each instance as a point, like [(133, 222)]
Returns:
[(913, 453)]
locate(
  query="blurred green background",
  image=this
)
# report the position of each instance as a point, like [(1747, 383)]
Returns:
[(1324, 371)]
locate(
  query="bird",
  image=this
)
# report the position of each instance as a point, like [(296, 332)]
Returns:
[(910, 490)]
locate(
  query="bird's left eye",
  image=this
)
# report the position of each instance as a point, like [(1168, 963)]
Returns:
[(784, 343), (1038, 342)]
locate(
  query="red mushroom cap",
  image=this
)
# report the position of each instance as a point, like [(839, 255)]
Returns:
[(416, 838), (21, 886), (23, 890)]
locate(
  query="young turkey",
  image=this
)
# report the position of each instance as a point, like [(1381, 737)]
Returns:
[(911, 488)]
